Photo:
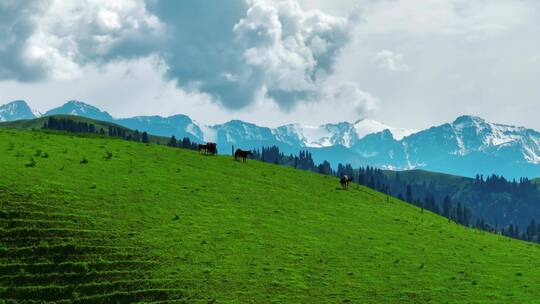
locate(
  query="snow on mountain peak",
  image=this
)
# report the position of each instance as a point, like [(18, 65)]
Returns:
[(341, 133), (468, 119), (473, 133), (366, 126), (16, 110), (79, 107), (75, 107)]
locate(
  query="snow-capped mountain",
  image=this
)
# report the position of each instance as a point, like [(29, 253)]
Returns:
[(79, 108), (16, 110), (327, 135), (472, 145), (467, 146)]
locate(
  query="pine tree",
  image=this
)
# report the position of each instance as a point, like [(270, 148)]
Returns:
[(145, 137), (467, 216), (408, 195), (172, 142), (447, 206), (459, 213)]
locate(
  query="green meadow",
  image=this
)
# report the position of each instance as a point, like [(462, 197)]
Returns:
[(89, 219)]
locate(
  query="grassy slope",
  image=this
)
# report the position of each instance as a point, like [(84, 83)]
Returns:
[(37, 124), (419, 176), (250, 232)]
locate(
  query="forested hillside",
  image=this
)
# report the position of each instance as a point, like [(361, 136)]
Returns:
[(491, 203)]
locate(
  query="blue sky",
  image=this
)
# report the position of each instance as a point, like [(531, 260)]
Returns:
[(406, 63)]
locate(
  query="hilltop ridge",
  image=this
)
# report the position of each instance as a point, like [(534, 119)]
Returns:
[(467, 146)]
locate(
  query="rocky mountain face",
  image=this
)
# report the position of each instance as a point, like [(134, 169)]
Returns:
[(16, 110), (467, 146), (79, 108)]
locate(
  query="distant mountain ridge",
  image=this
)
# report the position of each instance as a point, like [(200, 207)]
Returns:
[(79, 108), (16, 110), (467, 146)]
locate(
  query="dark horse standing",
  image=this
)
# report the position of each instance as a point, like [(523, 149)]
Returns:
[(344, 181), (241, 154), (209, 148)]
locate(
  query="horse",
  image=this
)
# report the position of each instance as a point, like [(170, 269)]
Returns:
[(208, 148), (241, 154), (344, 181)]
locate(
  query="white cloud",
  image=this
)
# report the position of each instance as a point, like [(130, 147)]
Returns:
[(70, 34), (350, 96), (391, 61), (278, 44), (270, 61), (470, 19), (487, 45), (134, 87)]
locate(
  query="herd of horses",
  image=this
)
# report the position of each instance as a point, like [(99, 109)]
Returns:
[(210, 148)]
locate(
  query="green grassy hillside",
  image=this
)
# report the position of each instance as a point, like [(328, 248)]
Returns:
[(98, 220), (37, 124), (421, 176)]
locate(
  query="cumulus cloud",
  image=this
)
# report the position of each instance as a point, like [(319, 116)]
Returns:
[(55, 38), (290, 48), (460, 57), (235, 51), (15, 28), (248, 48), (391, 61), (69, 34), (350, 96), (468, 19), (427, 59)]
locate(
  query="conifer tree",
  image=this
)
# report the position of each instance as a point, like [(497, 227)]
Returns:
[(145, 137), (447, 206), (173, 142)]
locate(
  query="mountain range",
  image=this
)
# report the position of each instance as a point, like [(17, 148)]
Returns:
[(467, 146)]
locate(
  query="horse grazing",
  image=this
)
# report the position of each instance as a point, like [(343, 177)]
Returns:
[(241, 154), (208, 148), (344, 181)]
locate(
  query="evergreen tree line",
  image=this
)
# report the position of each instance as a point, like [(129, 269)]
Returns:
[(424, 195), (138, 137), (185, 143), (69, 125), (427, 195), (303, 160), (521, 189), (531, 233), (72, 126)]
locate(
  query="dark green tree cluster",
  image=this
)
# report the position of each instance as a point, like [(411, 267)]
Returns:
[(302, 161), (523, 188), (73, 126), (69, 125), (117, 131), (325, 168), (185, 143), (531, 233)]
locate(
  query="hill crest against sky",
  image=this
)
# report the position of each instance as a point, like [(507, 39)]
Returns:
[(467, 146)]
